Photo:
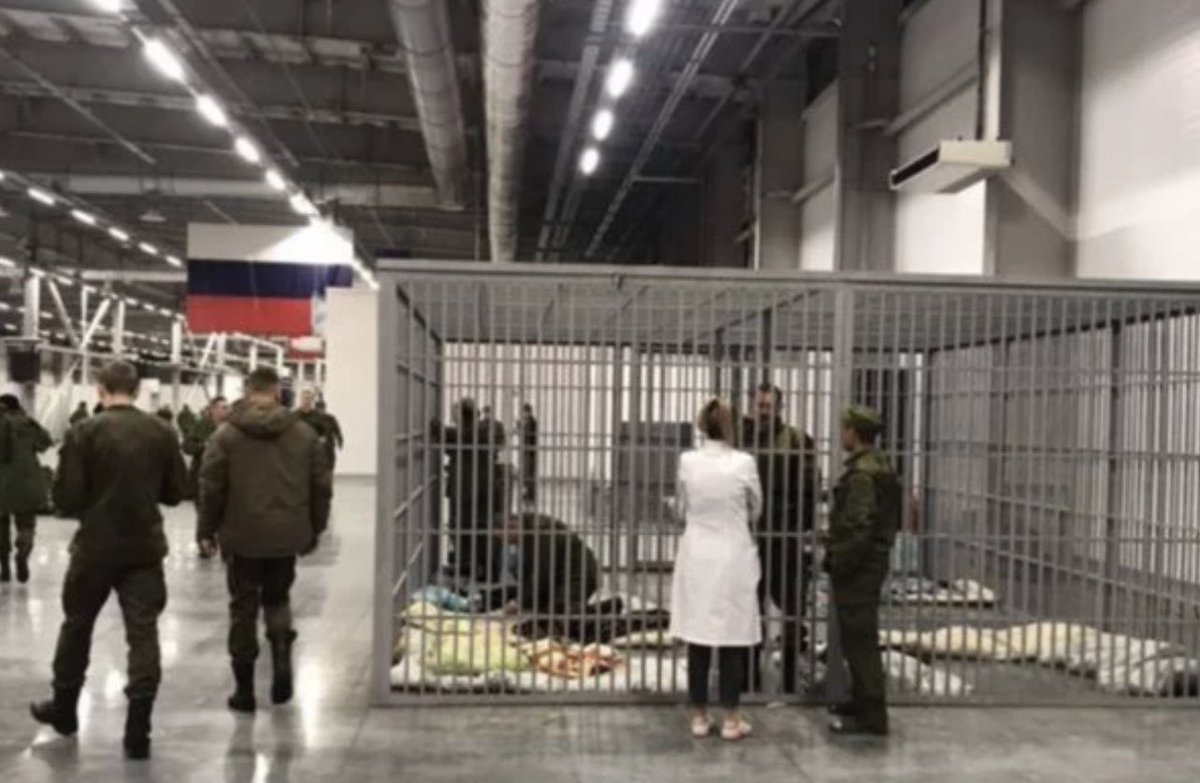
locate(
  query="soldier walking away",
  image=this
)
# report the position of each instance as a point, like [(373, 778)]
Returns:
[(529, 443), (862, 529), (80, 414), (22, 484), (114, 471), (787, 467), (335, 440), (197, 437), (265, 488), (186, 420)]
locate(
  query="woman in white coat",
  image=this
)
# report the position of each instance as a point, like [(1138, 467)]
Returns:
[(714, 595)]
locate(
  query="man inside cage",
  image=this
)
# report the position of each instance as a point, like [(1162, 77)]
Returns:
[(787, 468), (474, 493)]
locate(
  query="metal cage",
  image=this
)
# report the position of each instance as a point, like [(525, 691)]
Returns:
[(1046, 435)]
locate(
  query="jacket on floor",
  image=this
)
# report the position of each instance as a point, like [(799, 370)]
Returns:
[(113, 472), (265, 483), (22, 481)]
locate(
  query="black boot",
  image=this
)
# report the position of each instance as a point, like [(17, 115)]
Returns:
[(5, 570), (242, 699), (59, 712), (22, 567), (137, 728), (281, 658)]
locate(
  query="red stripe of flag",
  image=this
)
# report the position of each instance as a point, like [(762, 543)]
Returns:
[(268, 317)]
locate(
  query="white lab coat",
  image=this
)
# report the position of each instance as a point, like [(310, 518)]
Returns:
[(714, 593)]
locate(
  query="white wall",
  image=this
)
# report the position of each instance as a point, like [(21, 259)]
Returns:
[(352, 375), (818, 215), (939, 233), (1139, 172)]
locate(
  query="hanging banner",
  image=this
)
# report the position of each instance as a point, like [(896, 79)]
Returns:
[(264, 280)]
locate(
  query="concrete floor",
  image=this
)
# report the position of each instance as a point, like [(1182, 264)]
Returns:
[(329, 733)]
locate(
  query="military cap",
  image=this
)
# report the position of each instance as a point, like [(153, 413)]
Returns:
[(862, 418)]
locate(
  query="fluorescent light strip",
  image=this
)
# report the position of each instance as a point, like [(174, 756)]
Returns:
[(118, 234), (275, 180), (148, 248), (602, 124), (641, 16), (620, 76), (589, 161), (174, 261), (86, 218), (247, 150), (37, 194), (210, 110), (165, 60)]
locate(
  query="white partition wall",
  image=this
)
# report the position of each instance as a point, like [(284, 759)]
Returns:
[(351, 386)]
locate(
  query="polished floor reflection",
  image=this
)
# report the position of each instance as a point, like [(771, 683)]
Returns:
[(330, 734)]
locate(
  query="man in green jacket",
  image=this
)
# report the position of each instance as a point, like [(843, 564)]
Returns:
[(185, 420), (80, 414), (787, 468), (862, 529), (22, 484), (198, 436), (265, 487), (113, 472)]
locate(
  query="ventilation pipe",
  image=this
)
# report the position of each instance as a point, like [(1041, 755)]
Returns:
[(509, 30), (423, 28)]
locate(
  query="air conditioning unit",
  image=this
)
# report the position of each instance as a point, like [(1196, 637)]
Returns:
[(952, 166)]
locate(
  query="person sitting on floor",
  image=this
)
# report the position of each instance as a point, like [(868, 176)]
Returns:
[(557, 572)]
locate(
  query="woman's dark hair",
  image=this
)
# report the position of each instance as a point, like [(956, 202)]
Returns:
[(712, 424), (9, 402)]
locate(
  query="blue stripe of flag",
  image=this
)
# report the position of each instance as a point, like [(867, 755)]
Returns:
[(264, 280)]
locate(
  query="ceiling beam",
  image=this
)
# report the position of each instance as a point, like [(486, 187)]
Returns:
[(356, 194), (176, 102)]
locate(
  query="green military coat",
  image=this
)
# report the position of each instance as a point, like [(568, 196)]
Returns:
[(23, 487), (862, 526)]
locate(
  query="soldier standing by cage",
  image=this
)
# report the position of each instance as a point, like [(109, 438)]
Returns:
[(862, 529), (787, 467)]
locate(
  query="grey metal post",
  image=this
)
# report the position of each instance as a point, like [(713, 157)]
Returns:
[(777, 174), (385, 499), (85, 295), (253, 356), (279, 363), (766, 336), (837, 682), (222, 340)]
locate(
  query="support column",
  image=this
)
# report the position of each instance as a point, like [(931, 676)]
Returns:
[(778, 172), (31, 322), (724, 210), (253, 356), (279, 365), (1032, 57), (221, 357), (85, 294), (869, 97), (118, 341), (176, 364)]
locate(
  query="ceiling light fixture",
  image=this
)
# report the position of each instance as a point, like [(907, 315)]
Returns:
[(175, 262), (37, 194), (83, 217), (7, 263), (275, 180), (642, 16), (602, 124), (118, 234), (302, 206), (589, 161), (148, 248), (246, 150), (211, 110), (162, 58), (620, 75), (109, 6)]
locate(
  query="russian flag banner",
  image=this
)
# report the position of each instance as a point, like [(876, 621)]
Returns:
[(264, 280)]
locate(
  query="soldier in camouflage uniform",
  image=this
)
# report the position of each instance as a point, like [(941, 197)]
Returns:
[(197, 437), (862, 529)]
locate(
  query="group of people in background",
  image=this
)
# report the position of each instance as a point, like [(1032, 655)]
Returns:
[(261, 475)]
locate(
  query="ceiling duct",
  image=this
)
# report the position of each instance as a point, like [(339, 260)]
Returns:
[(509, 31), (423, 28)]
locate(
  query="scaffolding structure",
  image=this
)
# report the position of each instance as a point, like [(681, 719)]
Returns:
[(1047, 437)]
